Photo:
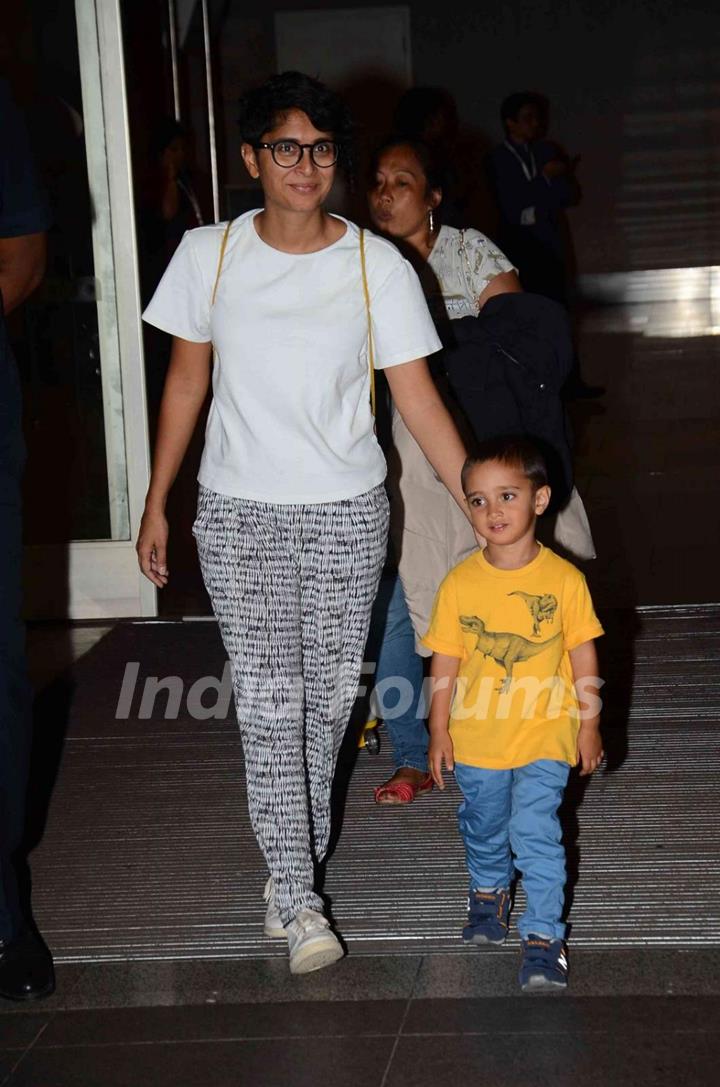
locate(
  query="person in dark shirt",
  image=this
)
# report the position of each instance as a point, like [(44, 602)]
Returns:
[(26, 969), (535, 181), (533, 185)]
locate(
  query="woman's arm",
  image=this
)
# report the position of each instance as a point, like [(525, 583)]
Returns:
[(430, 423), (185, 390), (503, 283)]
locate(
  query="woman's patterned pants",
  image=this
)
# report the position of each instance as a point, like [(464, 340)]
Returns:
[(292, 588)]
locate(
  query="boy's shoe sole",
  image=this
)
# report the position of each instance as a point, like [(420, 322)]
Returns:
[(478, 940), (315, 954), (544, 965), (275, 930), (488, 917), (537, 984)]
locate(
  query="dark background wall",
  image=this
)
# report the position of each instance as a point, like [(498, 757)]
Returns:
[(634, 87)]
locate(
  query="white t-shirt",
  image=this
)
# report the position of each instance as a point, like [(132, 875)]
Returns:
[(290, 419)]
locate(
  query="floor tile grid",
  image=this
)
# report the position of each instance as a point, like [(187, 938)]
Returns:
[(121, 1045), (426, 1041)]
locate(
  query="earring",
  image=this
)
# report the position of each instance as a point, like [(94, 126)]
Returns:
[(431, 221)]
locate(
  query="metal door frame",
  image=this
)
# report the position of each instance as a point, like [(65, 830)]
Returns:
[(101, 578)]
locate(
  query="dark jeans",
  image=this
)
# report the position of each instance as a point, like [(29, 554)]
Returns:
[(15, 701)]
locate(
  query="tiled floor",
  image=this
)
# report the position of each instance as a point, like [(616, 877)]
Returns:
[(376, 1023)]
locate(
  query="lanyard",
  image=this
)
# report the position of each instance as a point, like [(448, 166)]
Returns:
[(530, 170)]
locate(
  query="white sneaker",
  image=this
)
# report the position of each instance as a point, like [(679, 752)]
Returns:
[(312, 943), (273, 923)]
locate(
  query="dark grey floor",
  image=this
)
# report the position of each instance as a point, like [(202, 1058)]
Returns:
[(635, 1017)]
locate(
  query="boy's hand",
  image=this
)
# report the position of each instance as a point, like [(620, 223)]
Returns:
[(589, 748), (584, 663), (439, 751)]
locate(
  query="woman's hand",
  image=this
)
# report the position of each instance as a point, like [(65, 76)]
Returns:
[(151, 547), (555, 168), (186, 386)]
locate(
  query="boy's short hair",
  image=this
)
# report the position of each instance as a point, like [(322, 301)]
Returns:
[(512, 450)]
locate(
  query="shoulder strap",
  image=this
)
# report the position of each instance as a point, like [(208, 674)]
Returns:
[(371, 346), (221, 258)]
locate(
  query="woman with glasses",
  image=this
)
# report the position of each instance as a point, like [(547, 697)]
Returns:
[(292, 517)]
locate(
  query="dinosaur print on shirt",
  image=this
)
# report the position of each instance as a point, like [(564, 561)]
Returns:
[(542, 608), (512, 632), (505, 649)]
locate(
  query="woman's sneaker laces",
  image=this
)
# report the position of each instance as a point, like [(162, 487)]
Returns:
[(274, 927), (311, 942)]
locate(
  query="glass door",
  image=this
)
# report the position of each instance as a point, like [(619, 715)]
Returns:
[(79, 347)]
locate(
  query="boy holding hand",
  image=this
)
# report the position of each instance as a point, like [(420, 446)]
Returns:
[(514, 704)]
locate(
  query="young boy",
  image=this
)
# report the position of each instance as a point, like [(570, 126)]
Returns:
[(512, 631)]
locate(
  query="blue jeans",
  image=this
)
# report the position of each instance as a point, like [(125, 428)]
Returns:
[(398, 695), (513, 813)]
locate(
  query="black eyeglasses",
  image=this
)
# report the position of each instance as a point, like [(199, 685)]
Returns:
[(287, 153)]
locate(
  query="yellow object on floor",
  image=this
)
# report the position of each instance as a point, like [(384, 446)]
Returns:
[(369, 736)]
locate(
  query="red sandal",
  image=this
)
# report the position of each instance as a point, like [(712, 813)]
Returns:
[(402, 792)]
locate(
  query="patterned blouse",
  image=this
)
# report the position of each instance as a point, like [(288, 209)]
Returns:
[(461, 264)]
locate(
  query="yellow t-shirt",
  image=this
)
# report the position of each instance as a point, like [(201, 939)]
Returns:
[(515, 701)]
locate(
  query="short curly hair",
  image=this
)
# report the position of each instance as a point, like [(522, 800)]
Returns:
[(263, 107)]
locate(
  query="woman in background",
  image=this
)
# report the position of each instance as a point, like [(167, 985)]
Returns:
[(459, 271)]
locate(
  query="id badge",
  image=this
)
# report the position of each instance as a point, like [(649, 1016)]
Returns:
[(527, 217)]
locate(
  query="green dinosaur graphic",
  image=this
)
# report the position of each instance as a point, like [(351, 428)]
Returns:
[(541, 608), (505, 649)]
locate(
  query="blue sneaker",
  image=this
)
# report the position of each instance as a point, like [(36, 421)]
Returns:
[(544, 964), (488, 913)]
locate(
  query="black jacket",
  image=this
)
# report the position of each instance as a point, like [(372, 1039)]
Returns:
[(506, 368)]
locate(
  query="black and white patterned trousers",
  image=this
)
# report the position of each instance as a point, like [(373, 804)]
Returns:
[(292, 587)]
